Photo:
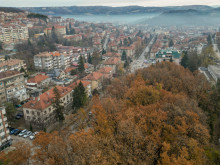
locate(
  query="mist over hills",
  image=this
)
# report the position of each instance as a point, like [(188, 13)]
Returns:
[(79, 10), (170, 15)]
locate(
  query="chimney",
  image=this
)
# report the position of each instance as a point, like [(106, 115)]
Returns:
[(33, 98), (48, 93), (38, 98)]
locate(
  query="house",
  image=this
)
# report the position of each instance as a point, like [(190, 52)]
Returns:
[(112, 62), (89, 68), (96, 79), (38, 81), (40, 110), (106, 71)]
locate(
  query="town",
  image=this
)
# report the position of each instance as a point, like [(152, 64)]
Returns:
[(51, 67)]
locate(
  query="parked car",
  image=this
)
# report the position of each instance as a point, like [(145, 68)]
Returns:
[(17, 132), (13, 131), (10, 129), (33, 135), (17, 117), (22, 132), (20, 114), (27, 134)]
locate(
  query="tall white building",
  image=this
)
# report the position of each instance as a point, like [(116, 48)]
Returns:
[(5, 138)]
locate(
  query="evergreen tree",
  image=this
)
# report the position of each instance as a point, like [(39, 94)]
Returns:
[(67, 31), (81, 65), (125, 42), (54, 35), (171, 43), (72, 31), (70, 26), (171, 59), (10, 112), (184, 60), (89, 59), (103, 51), (79, 96), (57, 106), (1, 48), (124, 56)]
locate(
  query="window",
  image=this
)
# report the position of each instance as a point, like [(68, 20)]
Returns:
[(27, 111), (38, 113), (28, 118), (32, 112)]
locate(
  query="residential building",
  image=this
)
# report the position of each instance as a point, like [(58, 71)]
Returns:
[(112, 62), (96, 79), (51, 60), (38, 81), (40, 110), (106, 71), (12, 86), (13, 33), (43, 61), (12, 64), (5, 139)]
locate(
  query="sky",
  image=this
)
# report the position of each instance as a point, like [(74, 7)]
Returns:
[(48, 3)]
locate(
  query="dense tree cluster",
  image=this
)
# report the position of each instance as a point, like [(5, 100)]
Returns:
[(151, 117)]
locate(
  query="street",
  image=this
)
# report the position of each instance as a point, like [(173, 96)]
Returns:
[(139, 63)]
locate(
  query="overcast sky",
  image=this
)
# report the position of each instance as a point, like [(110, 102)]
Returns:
[(41, 3)]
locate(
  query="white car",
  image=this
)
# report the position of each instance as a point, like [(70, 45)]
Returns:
[(22, 132), (27, 134), (32, 137)]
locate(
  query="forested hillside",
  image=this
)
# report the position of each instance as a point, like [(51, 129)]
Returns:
[(160, 115)]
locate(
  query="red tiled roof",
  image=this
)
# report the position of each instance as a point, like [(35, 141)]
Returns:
[(105, 70), (85, 83), (112, 61), (69, 69), (37, 79), (45, 99), (93, 76), (9, 74)]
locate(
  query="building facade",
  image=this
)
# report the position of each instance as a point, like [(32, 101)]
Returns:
[(40, 110), (5, 139), (12, 64), (12, 86)]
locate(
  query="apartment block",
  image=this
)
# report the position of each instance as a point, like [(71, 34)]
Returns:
[(41, 108), (12, 86), (51, 60), (12, 64), (5, 138), (13, 33)]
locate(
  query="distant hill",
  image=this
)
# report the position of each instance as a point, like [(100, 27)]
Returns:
[(10, 9), (79, 10), (186, 17)]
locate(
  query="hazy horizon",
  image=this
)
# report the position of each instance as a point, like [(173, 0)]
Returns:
[(112, 3)]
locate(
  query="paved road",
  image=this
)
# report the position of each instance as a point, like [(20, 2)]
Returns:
[(139, 63), (106, 42), (215, 47)]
